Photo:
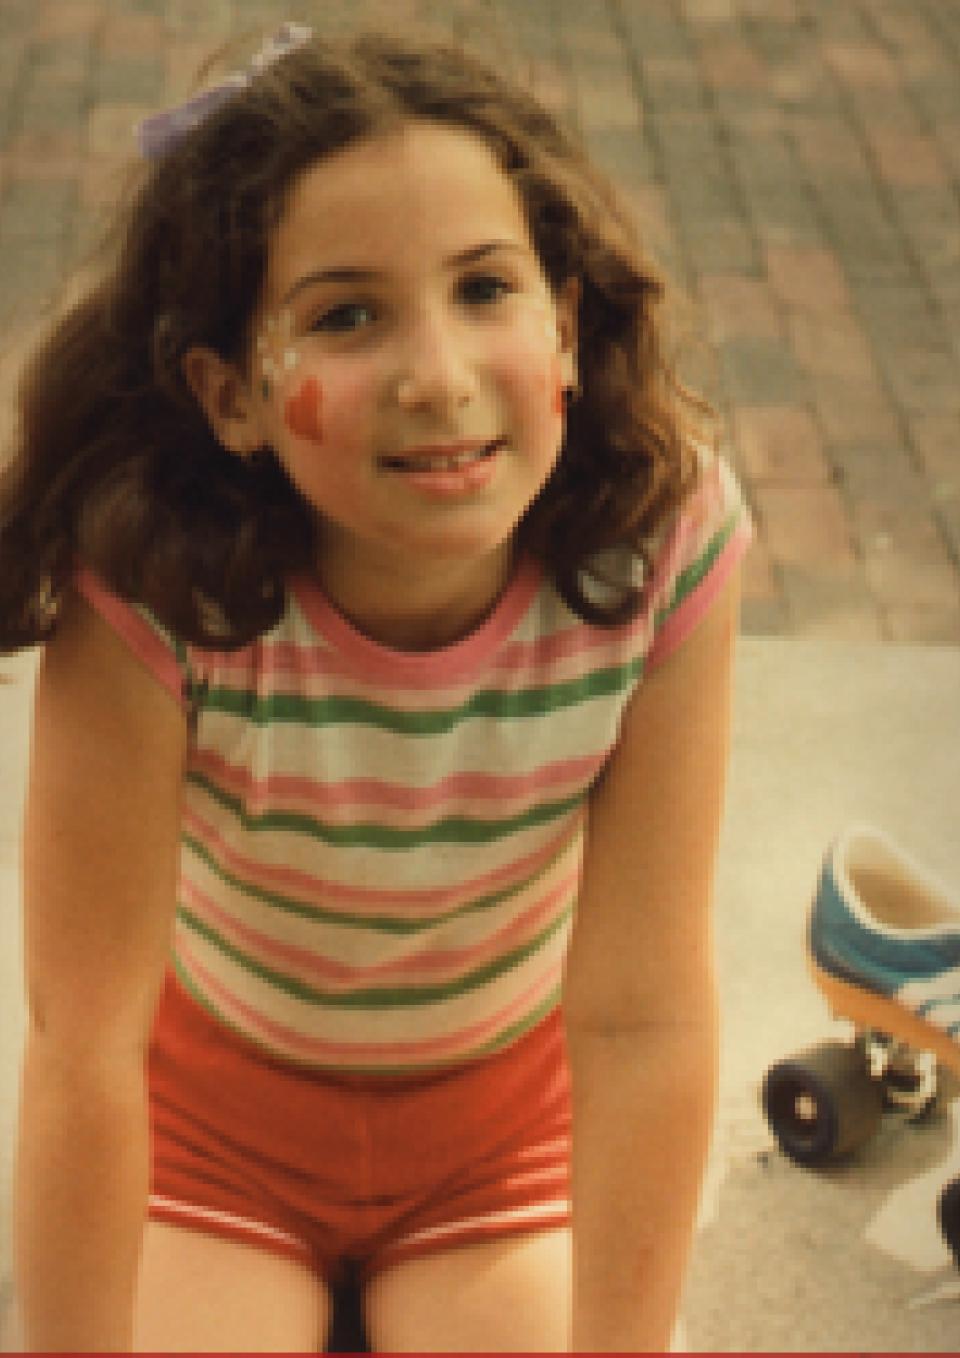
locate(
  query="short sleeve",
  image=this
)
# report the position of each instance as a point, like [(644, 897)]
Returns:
[(166, 657), (710, 534)]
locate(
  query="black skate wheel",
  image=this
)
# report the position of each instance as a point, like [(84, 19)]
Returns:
[(948, 1215), (822, 1104)]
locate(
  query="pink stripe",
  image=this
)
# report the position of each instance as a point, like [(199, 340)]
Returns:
[(285, 667), (436, 965), (309, 890), (448, 1047), (563, 655), (358, 799), (394, 668), (685, 619), (143, 641), (307, 669), (567, 654)]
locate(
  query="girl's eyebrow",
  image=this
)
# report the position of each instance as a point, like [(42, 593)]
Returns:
[(353, 275)]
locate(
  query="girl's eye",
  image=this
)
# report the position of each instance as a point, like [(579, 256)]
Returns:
[(484, 288), (341, 320)]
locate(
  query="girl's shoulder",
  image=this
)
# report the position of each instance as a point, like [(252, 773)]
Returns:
[(165, 655), (712, 514), (184, 669), (696, 550), (686, 560)]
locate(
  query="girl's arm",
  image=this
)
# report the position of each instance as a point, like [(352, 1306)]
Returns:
[(639, 996), (100, 862)]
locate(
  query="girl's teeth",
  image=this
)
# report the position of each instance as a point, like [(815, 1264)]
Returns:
[(445, 464)]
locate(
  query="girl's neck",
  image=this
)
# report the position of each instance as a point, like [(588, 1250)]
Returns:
[(416, 608)]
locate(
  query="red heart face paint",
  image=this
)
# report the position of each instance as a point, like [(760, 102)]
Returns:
[(302, 412), (559, 405)]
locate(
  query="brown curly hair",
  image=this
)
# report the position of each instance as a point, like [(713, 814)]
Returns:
[(114, 465)]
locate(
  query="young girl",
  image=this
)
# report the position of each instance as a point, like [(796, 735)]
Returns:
[(379, 739)]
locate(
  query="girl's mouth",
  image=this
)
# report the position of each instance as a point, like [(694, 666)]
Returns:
[(442, 462), (447, 475)]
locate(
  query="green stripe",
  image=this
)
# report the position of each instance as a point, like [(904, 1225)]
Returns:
[(523, 1025), (383, 924), (496, 1044), (689, 579), (485, 703), (395, 997), (452, 830)]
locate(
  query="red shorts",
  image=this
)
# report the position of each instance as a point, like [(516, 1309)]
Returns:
[(329, 1168)]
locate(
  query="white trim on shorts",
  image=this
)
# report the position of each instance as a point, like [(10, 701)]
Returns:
[(215, 1217), (539, 1214)]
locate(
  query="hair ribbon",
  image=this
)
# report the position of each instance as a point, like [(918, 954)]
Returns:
[(159, 132)]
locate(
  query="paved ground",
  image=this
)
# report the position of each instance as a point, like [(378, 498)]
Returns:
[(797, 166)]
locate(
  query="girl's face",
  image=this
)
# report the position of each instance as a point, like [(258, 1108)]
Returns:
[(408, 361), (409, 357)]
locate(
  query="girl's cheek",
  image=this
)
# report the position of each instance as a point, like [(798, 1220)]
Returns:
[(290, 384), (535, 374), (535, 360), (324, 408)]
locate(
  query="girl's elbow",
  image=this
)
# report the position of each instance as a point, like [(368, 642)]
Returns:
[(687, 1006)]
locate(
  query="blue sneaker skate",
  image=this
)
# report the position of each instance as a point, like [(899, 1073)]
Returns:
[(884, 948), (884, 943)]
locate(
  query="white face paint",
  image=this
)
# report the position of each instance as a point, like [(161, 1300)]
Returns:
[(545, 308), (277, 356)]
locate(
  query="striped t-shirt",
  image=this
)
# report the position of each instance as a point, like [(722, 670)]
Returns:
[(381, 850)]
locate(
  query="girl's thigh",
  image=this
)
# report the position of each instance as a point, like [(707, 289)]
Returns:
[(201, 1293), (506, 1295)]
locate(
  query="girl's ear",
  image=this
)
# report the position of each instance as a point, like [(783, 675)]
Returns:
[(568, 307), (224, 397)]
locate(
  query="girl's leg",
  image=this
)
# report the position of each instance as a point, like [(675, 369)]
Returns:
[(201, 1293), (505, 1295)]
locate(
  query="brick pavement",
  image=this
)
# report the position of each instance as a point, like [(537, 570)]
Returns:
[(796, 165)]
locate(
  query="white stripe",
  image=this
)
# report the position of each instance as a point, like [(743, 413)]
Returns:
[(542, 1211), (373, 752), (431, 866), (225, 1219), (515, 994), (365, 948)]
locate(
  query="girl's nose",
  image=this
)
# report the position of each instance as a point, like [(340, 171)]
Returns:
[(434, 372)]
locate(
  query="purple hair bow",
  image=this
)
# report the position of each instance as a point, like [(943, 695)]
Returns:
[(158, 133)]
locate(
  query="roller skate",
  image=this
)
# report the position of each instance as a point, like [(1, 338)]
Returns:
[(883, 945)]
